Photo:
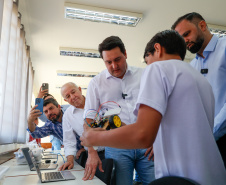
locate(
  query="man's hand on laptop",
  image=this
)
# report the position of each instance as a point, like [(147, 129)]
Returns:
[(68, 165)]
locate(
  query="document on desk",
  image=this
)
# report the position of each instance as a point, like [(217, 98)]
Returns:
[(3, 169)]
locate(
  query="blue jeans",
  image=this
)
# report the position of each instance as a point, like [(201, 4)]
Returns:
[(137, 178), (56, 143), (128, 160)]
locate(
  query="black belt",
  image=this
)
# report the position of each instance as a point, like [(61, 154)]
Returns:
[(102, 151)]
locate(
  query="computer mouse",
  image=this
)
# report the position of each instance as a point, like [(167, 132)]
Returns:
[(47, 161)]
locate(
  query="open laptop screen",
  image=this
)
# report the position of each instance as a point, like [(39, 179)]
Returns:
[(27, 157), (35, 165)]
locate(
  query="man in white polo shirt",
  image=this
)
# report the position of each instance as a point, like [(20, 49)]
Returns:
[(175, 109)]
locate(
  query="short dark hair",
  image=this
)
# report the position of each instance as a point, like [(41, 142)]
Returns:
[(170, 40), (50, 100), (111, 43), (47, 95), (192, 17)]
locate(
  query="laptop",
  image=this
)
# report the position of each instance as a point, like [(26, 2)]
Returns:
[(42, 166), (52, 176), (49, 156), (47, 153)]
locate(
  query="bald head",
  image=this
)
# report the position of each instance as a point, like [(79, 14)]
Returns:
[(65, 86), (73, 95)]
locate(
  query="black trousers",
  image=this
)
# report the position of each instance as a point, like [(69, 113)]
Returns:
[(221, 143), (84, 155)]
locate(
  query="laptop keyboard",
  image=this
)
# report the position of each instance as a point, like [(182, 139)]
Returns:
[(53, 175)]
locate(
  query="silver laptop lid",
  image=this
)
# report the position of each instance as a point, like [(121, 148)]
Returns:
[(27, 157), (35, 165)]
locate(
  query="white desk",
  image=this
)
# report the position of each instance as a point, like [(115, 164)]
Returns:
[(21, 175)]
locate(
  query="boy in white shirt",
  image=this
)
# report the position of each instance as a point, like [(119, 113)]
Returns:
[(175, 109)]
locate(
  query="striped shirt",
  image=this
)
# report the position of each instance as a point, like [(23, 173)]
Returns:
[(54, 129)]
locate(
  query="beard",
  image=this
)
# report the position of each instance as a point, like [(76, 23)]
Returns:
[(56, 118), (196, 45)]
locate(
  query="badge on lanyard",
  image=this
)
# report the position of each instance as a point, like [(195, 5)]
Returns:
[(204, 71)]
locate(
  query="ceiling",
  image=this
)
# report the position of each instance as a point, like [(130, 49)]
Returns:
[(47, 30)]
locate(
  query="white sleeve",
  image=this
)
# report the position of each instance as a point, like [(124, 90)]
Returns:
[(92, 100), (92, 103), (154, 89), (69, 137)]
